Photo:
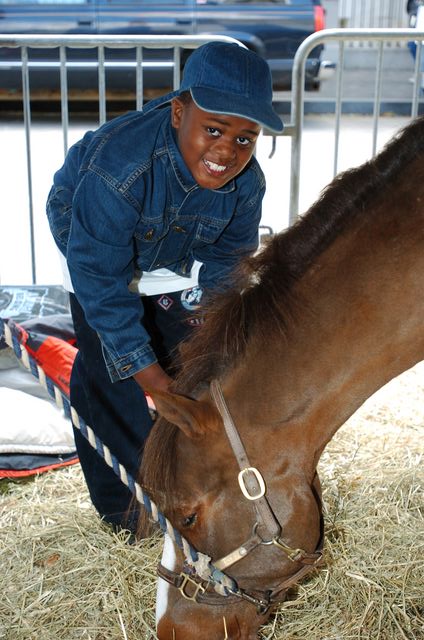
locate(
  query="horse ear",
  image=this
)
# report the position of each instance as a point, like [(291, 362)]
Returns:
[(194, 417)]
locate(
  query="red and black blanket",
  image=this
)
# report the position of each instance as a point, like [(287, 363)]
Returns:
[(35, 436)]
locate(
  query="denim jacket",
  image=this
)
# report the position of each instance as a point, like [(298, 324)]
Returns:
[(125, 200)]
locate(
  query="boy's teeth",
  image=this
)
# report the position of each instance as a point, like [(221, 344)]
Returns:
[(214, 166)]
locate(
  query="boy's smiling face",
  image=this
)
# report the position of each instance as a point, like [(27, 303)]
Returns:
[(215, 147)]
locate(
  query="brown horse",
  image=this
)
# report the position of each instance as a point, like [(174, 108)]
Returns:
[(326, 314)]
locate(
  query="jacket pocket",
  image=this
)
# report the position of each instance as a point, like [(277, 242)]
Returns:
[(209, 231)]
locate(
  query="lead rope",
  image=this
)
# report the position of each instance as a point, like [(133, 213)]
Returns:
[(200, 562)]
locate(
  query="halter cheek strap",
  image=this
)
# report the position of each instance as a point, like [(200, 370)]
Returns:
[(251, 483), (253, 488)]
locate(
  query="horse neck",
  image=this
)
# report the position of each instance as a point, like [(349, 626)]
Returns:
[(360, 325)]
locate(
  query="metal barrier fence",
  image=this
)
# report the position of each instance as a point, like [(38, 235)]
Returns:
[(344, 37), (297, 102)]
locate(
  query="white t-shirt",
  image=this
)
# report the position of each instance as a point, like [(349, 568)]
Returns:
[(150, 283)]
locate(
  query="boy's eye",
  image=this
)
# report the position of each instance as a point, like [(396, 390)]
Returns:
[(244, 142), (214, 132)]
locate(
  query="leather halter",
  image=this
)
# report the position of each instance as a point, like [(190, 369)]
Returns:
[(252, 486)]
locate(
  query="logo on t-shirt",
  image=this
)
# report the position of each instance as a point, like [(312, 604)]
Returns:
[(190, 298), (165, 302)]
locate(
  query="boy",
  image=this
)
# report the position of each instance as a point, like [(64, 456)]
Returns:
[(150, 210)]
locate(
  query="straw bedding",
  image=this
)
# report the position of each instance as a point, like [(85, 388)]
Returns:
[(66, 576)]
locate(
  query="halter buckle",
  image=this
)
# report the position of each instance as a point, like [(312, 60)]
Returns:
[(259, 479), (187, 580), (262, 606), (292, 554)]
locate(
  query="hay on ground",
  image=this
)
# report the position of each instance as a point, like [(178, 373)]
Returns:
[(66, 576)]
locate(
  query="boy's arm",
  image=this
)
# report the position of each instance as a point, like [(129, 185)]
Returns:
[(239, 239), (153, 377), (100, 258)]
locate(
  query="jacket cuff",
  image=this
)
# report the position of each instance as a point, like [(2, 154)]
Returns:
[(127, 366)]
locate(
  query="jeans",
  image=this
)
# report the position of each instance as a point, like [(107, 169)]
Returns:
[(118, 412)]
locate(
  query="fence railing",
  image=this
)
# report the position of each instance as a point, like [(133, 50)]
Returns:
[(294, 124)]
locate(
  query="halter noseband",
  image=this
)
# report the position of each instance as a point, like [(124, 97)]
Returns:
[(195, 588)]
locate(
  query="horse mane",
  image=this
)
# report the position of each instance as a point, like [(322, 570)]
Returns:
[(261, 300)]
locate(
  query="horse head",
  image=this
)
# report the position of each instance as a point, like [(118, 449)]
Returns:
[(252, 509)]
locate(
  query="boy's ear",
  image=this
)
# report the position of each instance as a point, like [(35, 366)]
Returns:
[(177, 108)]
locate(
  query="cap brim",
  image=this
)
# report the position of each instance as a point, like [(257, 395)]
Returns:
[(220, 102)]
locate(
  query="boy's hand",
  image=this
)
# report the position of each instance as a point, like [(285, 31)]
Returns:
[(153, 377)]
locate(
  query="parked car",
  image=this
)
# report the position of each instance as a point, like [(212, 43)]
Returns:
[(272, 28)]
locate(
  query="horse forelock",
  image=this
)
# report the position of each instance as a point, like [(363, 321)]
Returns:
[(157, 473), (261, 300)]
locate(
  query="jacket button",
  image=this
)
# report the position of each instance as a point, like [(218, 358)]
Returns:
[(179, 229), (149, 234), (126, 368)]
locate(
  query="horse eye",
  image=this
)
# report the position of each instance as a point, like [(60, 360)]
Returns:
[(190, 520)]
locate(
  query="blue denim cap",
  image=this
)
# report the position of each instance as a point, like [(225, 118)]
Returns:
[(227, 78)]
